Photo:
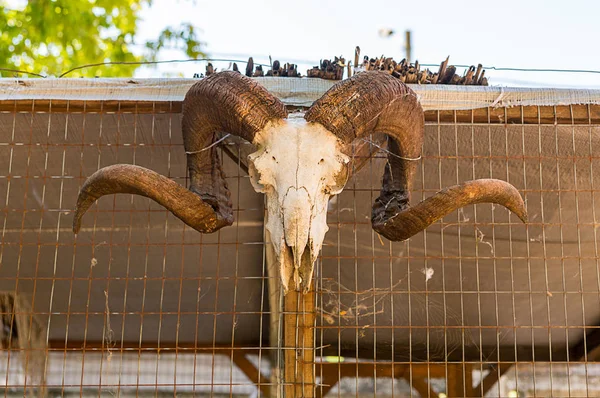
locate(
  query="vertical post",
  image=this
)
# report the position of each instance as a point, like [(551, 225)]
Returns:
[(275, 325), (299, 344), (460, 380), (468, 377), (454, 382), (408, 47), (292, 328)]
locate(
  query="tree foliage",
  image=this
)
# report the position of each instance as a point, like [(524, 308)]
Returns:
[(50, 37)]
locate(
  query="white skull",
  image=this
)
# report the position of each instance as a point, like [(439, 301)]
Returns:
[(298, 166)]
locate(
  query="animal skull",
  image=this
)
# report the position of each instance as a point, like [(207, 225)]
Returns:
[(302, 159), (298, 166)]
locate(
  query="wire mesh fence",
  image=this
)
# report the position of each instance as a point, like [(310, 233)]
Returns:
[(138, 303)]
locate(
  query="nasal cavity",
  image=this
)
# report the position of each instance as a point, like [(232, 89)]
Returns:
[(296, 218)]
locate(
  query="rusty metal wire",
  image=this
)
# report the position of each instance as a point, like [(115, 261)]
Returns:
[(140, 302)]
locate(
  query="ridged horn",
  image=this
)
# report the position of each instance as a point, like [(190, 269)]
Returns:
[(125, 178), (223, 102), (375, 102), (404, 224)]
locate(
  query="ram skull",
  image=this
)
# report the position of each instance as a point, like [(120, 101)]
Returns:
[(301, 161)]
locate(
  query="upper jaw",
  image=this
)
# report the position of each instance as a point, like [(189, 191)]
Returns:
[(296, 273)]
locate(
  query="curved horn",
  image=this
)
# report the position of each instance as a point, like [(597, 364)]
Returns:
[(223, 102), (376, 102), (404, 224), (125, 178)]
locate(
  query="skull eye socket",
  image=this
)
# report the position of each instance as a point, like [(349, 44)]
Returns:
[(255, 177), (340, 181), (256, 163)]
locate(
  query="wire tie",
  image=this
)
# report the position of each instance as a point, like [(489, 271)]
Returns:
[(210, 146)]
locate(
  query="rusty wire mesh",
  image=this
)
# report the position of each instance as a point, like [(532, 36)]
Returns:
[(138, 303)]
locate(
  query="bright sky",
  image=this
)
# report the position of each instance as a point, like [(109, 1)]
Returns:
[(549, 34)]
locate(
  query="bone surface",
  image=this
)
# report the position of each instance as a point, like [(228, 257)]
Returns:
[(299, 165)]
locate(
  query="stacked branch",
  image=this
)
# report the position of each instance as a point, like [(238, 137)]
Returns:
[(334, 70), (210, 69), (287, 70), (252, 71), (328, 69), (414, 74), (277, 69)]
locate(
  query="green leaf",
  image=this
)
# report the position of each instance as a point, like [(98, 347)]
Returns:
[(51, 37)]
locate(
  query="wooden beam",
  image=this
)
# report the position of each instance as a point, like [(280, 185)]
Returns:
[(299, 344), (490, 380), (560, 114), (421, 385), (254, 374), (366, 354), (330, 376), (459, 382), (78, 106), (275, 326), (467, 369), (331, 373), (150, 346), (382, 369)]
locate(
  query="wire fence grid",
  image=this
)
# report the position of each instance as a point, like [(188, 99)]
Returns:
[(138, 303)]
